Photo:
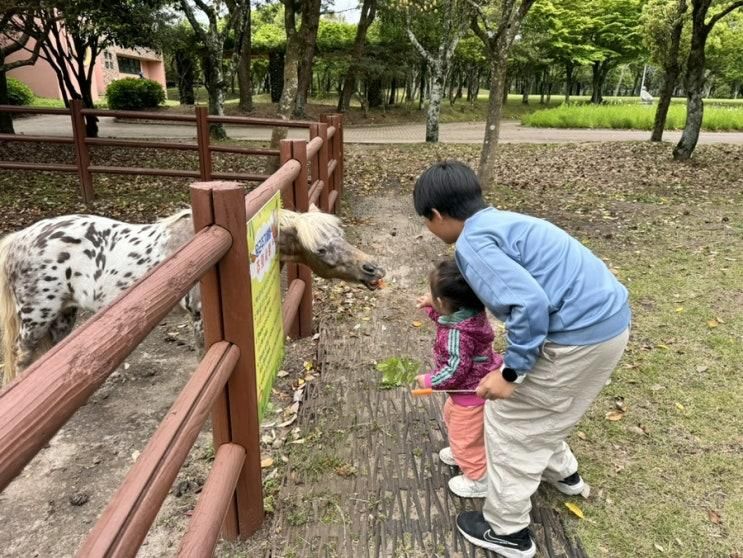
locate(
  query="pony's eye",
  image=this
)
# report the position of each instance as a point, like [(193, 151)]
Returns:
[(322, 251)]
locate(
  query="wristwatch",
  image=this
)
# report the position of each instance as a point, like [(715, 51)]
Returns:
[(510, 375)]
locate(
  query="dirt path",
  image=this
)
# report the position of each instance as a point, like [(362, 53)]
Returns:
[(364, 478), (459, 132)]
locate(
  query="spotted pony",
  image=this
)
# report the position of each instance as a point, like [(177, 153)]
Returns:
[(58, 267)]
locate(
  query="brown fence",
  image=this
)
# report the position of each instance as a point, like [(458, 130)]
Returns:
[(39, 402), (329, 130)]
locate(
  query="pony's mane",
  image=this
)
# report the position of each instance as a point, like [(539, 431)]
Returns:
[(314, 228), (171, 219)]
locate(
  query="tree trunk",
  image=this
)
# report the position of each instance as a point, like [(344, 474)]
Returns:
[(374, 93), (499, 64), (525, 90), (6, 118), (434, 105), (671, 72), (393, 92), (276, 75), (619, 81), (244, 74), (184, 68), (368, 12), (423, 84), (214, 83), (308, 35), (599, 75)]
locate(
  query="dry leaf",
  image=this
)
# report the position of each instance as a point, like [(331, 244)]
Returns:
[(680, 309), (282, 373), (637, 430), (664, 347), (575, 509), (614, 415), (712, 323), (416, 323), (702, 368), (620, 404), (680, 407), (714, 517), (267, 462), (719, 320), (308, 365), (582, 435), (659, 547)]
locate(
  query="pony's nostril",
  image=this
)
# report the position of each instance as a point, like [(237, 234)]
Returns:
[(369, 268)]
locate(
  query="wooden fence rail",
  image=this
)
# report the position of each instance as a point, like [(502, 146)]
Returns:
[(203, 146), (39, 402)]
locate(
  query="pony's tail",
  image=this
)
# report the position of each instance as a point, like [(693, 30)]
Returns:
[(9, 324)]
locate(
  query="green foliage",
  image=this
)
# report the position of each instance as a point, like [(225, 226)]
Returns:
[(19, 93), (626, 116), (134, 93), (397, 372), (335, 36)]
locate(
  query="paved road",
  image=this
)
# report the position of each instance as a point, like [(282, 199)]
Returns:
[(469, 132)]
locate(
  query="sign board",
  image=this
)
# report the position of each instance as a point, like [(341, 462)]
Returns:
[(265, 286)]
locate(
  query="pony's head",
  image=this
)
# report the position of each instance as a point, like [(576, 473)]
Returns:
[(316, 240)]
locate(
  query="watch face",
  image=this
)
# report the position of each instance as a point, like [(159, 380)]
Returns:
[(509, 374)]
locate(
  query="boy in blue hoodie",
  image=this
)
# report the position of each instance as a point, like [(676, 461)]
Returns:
[(567, 320)]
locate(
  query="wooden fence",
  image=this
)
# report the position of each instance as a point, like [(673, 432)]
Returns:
[(329, 130), (39, 402)]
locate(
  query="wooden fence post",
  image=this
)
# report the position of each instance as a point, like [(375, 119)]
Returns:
[(82, 156), (341, 164), (302, 204), (287, 199), (241, 397), (320, 163), (202, 139)]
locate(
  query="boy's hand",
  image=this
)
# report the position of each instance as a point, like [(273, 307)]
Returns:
[(424, 301), (493, 386), (420, 379)]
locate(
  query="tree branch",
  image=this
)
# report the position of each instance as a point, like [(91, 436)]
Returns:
[(419, 47), (191, 17), (717, 17)]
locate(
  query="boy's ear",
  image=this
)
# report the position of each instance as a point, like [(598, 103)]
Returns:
[(436, 215)]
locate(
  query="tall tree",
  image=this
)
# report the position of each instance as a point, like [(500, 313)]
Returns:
[(74, 33), (496, 24), (663, 24), (16, 30), (222, 19), (368, 13), (695, 64), (180, 47), (244, 74), (451, 19), (310, 18)]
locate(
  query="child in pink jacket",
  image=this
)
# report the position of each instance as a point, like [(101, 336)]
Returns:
[(463, 356)]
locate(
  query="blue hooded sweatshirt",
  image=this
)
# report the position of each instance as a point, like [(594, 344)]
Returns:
[(540, 281)]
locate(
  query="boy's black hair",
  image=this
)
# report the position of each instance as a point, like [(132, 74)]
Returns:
[(448, 284), (450, 187)]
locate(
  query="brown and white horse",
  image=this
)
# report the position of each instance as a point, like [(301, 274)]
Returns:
[(57, 267)]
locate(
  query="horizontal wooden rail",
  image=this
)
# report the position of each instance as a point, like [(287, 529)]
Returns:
[(293, 298), (331, 167), (244, 150), (138, 143), (42, 399), (124, 523), (134, 114), (277, 182), (240, 176), (315, 191), (208, 515), (313, 147), (10, 165), (145, 171), (34, 110), (44, 139), (248, 121)]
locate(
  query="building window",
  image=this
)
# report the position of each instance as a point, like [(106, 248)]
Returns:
[(108, 60), (129, 65)]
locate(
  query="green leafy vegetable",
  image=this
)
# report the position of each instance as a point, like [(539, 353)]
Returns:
[(397, 372)]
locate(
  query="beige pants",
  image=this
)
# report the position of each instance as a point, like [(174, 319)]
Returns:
[(525, 434)]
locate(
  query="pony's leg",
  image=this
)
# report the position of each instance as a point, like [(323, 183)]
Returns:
[(37, 317), (63, 325)]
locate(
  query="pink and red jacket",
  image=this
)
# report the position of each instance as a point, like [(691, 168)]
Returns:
[(463, 354)]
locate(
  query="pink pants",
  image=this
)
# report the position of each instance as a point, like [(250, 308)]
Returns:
[(465, 426)]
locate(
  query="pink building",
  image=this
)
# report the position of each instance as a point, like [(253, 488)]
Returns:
[(112, 64)]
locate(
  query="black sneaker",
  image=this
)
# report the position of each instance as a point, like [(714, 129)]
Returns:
[(475, 529), (572, 485)]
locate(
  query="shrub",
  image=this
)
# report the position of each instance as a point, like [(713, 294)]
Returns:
[(134, 94), (19, 93)]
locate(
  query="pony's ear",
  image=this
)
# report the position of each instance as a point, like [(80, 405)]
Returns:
[(313, 209)]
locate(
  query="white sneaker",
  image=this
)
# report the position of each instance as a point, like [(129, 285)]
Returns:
[(571, 486), (447, 457), (468, 488)]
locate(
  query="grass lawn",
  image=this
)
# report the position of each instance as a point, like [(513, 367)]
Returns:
[(638, 117), (666, 476)]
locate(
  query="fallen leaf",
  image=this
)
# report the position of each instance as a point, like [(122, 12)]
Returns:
[(620, 404), (282, 373), (416, 323), (712, 324), (680, 407), (308, 365), (575, 509), (135, 455), (637, 430), (719, 320), (702, 368), (614, 415), (680, 309), (266, 463), (664, 347), (659, 547), (582, 435), (714, 517)]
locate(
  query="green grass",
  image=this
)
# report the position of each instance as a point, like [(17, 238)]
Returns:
[(627, 116)]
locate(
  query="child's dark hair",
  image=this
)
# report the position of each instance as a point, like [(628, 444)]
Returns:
[(448, 284), (450, 187)]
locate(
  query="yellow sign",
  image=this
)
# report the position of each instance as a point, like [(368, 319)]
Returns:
[(268, 330)]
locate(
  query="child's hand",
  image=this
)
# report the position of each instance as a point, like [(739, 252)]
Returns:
[(420, 379), (424, 301)]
